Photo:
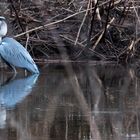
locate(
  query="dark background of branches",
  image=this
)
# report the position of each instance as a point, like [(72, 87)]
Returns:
[(75, 29)]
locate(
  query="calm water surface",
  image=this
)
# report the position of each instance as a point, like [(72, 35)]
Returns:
[(71, 102)]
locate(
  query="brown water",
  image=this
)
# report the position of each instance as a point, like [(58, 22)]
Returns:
[(71, 102)]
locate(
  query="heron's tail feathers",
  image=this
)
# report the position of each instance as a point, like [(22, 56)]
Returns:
[(33, 69)]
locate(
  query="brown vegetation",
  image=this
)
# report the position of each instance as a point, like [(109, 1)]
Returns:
[(75, 29)]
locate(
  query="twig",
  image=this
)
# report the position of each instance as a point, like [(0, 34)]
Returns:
[(131, 46), (108, 12), (97, 10), (82, 22), (91, 26), (56, 22), (80, 44), (82, 49), (27, 40), (16, 13), (100, 37)]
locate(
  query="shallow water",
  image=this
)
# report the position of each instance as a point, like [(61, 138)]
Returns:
[(81, 101)]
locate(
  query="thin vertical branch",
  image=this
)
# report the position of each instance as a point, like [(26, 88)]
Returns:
[(91, 25), (108, 12), (16, 13), (82, 22)]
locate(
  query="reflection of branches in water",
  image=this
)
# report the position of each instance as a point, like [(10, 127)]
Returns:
[(131, 120), (95, 84), (21, 126), (55, 100), (126, 121), (50, 113), (117, 120), (123, 93), (114, 121), (83, 105)]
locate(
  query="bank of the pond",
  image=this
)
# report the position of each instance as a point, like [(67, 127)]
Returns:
[(75, 30)]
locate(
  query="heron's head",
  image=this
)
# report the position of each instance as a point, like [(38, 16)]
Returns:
[(3, 27)]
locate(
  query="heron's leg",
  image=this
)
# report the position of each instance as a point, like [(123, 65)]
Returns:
[(11, 78), (15, 72), (11, 66), (14, 69), (25, 72)]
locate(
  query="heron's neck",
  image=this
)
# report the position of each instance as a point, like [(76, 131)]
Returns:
[(3, 29)]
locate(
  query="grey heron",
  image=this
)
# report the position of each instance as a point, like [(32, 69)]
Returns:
[(13, 53)]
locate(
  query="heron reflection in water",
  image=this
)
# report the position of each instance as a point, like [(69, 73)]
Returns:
[(13, 53), (14, 92)]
